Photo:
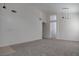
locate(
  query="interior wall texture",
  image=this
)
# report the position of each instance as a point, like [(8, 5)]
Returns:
[(68, 29), (23, 26)]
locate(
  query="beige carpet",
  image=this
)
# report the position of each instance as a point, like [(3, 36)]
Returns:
[(6, 50), (46, 47)]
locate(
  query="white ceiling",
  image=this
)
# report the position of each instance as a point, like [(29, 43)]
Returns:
[(57, 7), (50, 7)]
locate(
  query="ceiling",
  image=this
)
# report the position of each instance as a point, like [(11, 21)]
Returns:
[(50, 7), (57, 7)]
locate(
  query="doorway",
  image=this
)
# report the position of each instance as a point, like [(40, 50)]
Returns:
[(53, 26), (43, 30)]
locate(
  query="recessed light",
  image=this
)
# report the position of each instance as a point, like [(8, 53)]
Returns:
[(4, 6), (14, 11)]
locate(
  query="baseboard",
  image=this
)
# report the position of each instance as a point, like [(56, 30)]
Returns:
[(16, 43), (67, 40)]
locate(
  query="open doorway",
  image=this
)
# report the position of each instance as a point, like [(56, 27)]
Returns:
[(53, 26), (43, 30)]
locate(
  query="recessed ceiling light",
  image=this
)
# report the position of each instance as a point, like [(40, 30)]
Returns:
[(4, 6), (14, 11)]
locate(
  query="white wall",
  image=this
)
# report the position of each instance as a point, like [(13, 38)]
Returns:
[(68, 29), (24, 26)]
